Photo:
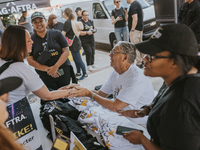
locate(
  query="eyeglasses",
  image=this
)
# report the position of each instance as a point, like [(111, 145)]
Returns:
[(115, 52), (117, 1), (150, 57)]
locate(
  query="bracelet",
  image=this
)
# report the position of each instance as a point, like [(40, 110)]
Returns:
[(132, 30), (147, 108), (93, 96)]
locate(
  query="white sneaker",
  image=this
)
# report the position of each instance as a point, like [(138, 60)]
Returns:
[(94, 66), (90, 68)]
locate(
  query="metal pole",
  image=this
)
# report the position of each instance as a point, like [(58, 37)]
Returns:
[(175, 11)]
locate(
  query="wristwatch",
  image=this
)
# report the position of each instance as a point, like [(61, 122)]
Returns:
[(93, 96), (132, 30)]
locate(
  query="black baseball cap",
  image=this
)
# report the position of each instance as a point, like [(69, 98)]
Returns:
[(37, 15), (9, 84), (175, 38), (77, 9)]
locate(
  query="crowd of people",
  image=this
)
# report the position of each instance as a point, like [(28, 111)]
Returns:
[(171, 117)]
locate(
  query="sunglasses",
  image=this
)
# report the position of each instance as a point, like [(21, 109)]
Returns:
[(151, 57), (117, 1)]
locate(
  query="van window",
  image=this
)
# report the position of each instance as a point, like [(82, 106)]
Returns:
[(98, 12), (109, 5)]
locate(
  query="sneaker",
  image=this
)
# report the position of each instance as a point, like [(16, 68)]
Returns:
[(83, 77), (78, 75), (94, 66), (90, 68)]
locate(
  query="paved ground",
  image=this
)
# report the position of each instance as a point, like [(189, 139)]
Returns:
[(97, 77)]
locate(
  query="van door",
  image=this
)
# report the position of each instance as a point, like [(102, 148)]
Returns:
[(102, 22)]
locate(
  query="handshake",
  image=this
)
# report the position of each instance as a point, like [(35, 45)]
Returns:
[(75, 90)]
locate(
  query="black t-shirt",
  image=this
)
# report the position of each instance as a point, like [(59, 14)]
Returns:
[(116, 13), (174, 121), (76, 46), (55, 44), (58, 26), (88, 26), (79, 18), (135, 8), (22, 19)]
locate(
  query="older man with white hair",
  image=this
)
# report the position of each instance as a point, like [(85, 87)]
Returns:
[(130, 87)]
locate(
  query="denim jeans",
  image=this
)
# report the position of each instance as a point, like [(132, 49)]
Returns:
[(78, 62), (122, 33)]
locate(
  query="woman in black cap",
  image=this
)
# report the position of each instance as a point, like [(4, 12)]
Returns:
[(174, 115), (49, 54)]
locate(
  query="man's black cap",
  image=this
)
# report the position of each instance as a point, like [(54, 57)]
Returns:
[(175, 38), (77, 9), (9, 84)]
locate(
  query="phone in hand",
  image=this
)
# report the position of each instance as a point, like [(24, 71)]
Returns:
[(125, 8), (61, 71), (94, 31), (120, 15), (121, 130), (61, 143)]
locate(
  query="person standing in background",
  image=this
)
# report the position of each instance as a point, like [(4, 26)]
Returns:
[(87, 39), (119, 18), (24, 22), (135, 25), (68, 31), (78, 13), (53, 23), (189, 14)]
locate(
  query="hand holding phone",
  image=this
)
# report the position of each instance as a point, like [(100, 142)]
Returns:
[(121, 130), (61, 71), (94, 30)]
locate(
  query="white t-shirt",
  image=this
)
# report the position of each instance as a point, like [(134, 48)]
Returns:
[(131, 87), (31, 80)]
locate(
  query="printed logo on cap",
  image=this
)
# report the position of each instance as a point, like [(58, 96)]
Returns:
[(157, 34)]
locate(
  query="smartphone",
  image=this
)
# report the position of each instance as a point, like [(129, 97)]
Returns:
[(120, 15), (61, 71), (125, 8), (121, 130), (94, 31), (61, 143)]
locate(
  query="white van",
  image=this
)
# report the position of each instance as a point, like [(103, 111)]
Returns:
[(100, 12)]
